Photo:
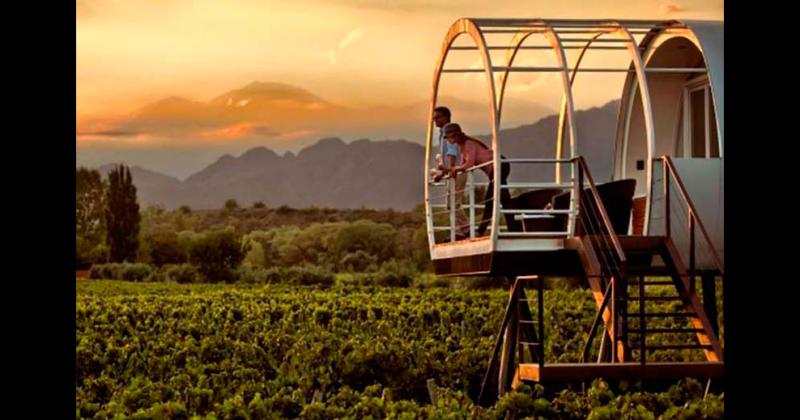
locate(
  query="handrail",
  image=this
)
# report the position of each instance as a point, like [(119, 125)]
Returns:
[(670, 166), (601, 208)]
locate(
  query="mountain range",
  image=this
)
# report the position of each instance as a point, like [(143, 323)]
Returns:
[(180, 136), (362, 173)]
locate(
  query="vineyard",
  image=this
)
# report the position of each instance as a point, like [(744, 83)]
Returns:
[(155, 350)]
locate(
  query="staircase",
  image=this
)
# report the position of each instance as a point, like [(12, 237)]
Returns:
[(646, 303), (655, 278)]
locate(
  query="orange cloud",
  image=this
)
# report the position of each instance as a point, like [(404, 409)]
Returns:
[(668, 8), (295, 134), (237, 131)]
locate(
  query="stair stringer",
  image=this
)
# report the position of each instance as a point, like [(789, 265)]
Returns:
[(691, 301), (593, 272)]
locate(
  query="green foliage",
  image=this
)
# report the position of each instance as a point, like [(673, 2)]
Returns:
[(217, 254), (121, 271), (359, 246), (163, 247), (390, 274), (135, 271), (87, 252), (90, 190), (252, 274), (420, 250), (103, 271), (231, 205), (150, 350), (122, 216), (358, 261), (301, 276), (89, 204), (183, 273), (376, 239)]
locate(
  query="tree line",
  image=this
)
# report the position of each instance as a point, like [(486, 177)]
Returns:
[(111, 228)]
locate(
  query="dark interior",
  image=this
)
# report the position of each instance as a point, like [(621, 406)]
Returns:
[(536, 199), (617, 198)]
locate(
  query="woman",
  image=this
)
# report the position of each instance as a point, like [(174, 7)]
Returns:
[(474, 152)]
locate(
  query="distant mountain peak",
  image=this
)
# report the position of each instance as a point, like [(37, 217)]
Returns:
[(265, 91), (259, 152), (326, 142), (375, 174)]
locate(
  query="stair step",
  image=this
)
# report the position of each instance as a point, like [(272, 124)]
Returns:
[(661, 314), (636, 346), (641, 243)]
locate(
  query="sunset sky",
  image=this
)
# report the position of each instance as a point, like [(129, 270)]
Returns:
[(350, 55)]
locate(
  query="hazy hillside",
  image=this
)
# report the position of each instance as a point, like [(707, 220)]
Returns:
[(363, 173)]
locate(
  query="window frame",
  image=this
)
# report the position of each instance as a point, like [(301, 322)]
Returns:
[(700, 83)]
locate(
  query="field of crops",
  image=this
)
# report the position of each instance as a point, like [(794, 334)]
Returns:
[(154, 350)]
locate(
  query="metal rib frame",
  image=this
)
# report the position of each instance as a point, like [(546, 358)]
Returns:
[(621, 36)]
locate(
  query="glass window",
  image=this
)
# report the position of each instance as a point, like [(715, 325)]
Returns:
[(697, 101)]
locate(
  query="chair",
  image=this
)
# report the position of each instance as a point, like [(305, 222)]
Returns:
[(617, 198), (532, 200)]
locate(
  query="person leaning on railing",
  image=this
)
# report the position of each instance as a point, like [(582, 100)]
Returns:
[(475, 153), (450, 156)]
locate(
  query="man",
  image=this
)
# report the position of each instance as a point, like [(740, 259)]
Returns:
[(450, 158)]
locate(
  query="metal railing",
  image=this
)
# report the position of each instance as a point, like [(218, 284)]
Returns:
[(671, 178), (445, 216), (597, 227)]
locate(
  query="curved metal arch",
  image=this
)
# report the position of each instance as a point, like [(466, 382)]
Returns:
[(649, 44), (458, 28), (687, 33), (517, 41), (647, 111), (510, 56), (562, 110)]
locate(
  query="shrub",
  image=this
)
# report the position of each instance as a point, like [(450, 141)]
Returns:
[(357, 261), (231, 205), (255, 256), (183, 273), (164, 248), (216, 254), (302, 276), (377, 239), (121, 271), (481, 283), (258, 205), (104, 271), (305, 276), (428, 281), (383, 278), (251, 274), (87, 253), (135, 271), (157, 275)]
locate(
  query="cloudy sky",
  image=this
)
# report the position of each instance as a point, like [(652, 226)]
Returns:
[(351, 56)]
